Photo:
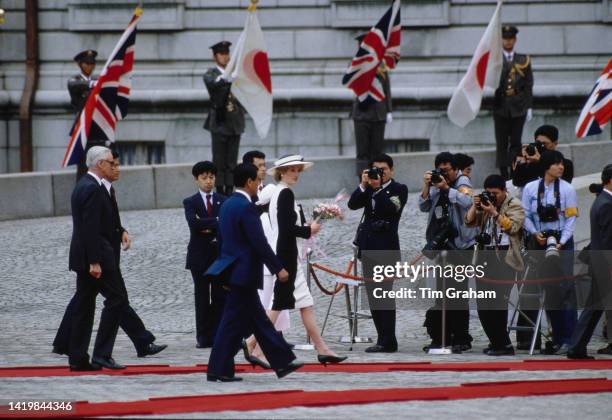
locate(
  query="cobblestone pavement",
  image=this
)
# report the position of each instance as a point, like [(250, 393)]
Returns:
[(35, 287)]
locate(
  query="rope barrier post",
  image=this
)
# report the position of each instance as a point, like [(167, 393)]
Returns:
[(443, 350), (354, 315), (308, 345)]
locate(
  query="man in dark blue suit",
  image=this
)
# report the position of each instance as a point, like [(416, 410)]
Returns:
[(243, 251), (202, 214), (382, 200)]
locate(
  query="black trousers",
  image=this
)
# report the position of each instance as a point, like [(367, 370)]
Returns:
[(457, 317), (88, 287), (493, 313), (225, 157), (382, 310), (369, 138), (129, 321), (508, 136), (209, 301), (244, 314)]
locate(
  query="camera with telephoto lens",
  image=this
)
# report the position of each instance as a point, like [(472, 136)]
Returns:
[(375, 173), (483, 239), (548, 213), (486, 198), (436, 176), (439, 240), (552, 239), (532, 147)]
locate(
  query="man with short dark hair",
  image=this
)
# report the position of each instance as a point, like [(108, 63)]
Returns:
[(257, 158), (600, 268), (225, 119), (382, 200), (447, 196), (513, 101), (464, 163), (202, 215), (500, 220), (244, 251), (527, 165)]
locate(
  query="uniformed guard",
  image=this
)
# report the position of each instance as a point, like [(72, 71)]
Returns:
[(513, 101), (225, 120), (79, 87), (370, 119)]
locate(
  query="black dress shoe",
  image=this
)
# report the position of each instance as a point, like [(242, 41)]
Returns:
[(85, 367), (579, 356), (60, 351), (324, 359), (220, 378), (254, 361), (460, 348), (605, 350), (380, 349), (507, 351), (291, 367), (107, 362), (152, 349)]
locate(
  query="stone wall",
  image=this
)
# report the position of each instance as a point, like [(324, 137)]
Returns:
[(310, 43)]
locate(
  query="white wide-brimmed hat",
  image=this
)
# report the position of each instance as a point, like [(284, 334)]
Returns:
[(289, 160)]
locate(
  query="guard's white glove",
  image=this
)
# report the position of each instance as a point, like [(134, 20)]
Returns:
[(529, 114), (92, 83), (389, 118)]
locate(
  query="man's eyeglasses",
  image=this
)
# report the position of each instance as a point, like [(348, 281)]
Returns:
[(112, 163)]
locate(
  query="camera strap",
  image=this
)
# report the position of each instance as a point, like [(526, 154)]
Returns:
[(556, 193)]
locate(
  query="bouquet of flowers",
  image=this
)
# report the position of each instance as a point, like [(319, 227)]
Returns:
[(327, 211)]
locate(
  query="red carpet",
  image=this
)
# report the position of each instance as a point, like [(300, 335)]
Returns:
[(293, 398), (523, 365)]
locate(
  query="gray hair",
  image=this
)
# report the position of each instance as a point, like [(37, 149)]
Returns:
[(96, 154)]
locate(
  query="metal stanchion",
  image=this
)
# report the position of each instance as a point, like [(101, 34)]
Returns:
[(354, 315), (443, 349), (307, 345)]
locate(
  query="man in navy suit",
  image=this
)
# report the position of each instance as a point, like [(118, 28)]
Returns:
[(202, 214), (243, 251)]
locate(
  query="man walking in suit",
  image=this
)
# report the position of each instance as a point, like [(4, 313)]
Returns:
[(600, 297), (92, 257), (513, 101), (370, 119), (244, 250), (382, 200), (79, 87), (225, 119), (202, 214), (129, 320)]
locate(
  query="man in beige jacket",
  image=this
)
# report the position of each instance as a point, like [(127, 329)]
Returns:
[(500, 219)]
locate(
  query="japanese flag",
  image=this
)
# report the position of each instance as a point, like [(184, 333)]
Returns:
[(484, 70), (249, 72)]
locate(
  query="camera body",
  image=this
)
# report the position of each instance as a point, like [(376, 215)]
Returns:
[(436, 176), (532, 147), (439, 240), (375, 173), (483, 239), (548, 213), (486, 198)]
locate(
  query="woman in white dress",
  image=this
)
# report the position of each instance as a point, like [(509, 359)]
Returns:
[(286, 224)]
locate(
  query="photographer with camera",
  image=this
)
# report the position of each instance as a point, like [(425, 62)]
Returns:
[(500, 218), (527, 166), (447, 196), (382, 200), (551, 209)]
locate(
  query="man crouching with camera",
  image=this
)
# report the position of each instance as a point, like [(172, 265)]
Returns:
[(551, 209), (447, 196), (382, 200), (500, 218)]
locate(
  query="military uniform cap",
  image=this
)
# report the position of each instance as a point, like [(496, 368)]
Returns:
[(509, 31), (221, 47), (87, 56)]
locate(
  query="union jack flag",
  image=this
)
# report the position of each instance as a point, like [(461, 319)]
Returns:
[(598, 108), (108, 100), (381, 44)]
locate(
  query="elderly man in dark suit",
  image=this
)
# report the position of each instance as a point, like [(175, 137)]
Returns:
[(243, 252), (202, 215), (370, 119), (225, 120), (92, 257), (382, 200), (129, 321), (600, 297), (513, 101)]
